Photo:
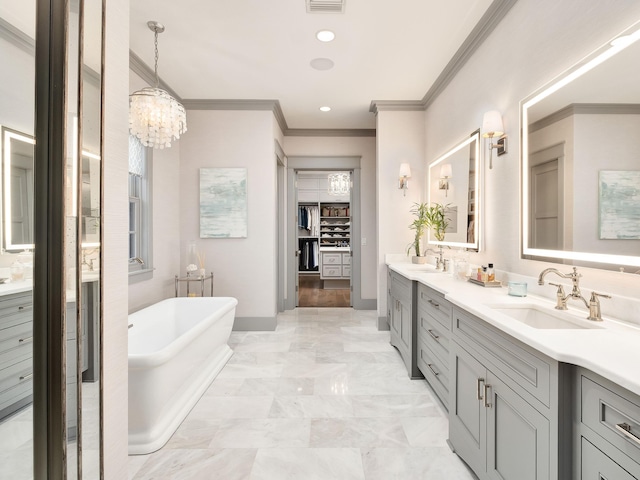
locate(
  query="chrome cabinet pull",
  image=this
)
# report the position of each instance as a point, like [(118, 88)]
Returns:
[(487, 403), (434, 304), (625, 428), (433, 335), (23, 341), (24, 307), (478, 389), (432, 370), (26, 377)]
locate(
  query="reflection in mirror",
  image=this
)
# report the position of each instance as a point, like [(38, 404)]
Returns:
[(17, 112), (580, 170), (454, 182), (17, 168)]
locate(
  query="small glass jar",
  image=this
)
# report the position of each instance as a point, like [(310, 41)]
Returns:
[(17, 271), (517, 289)]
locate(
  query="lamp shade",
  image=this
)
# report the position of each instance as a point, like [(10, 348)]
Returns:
[(405, 170), (492, 124), (445, 171)]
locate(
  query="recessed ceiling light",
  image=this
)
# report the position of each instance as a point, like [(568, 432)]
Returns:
[(325, 35), (325, 109), (322, 63)]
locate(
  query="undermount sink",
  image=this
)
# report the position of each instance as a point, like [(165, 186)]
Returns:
[(543, 318)]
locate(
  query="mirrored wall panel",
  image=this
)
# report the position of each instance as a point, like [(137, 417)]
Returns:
[(17, 120)]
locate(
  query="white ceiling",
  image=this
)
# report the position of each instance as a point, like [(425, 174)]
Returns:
[(261, 49)]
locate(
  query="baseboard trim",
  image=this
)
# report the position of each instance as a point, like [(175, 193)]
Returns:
[(383, 324), (250, 324), (365, 304)]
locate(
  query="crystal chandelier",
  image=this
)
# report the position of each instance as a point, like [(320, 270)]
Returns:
[(155, 117), (339, 184)]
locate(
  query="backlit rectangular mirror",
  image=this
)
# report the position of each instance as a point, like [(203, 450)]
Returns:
[(17, 168), (580, 168), (453, 183)]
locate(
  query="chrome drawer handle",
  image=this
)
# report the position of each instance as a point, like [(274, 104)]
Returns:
[(22, 341), (432, 370), (434, 304), (24, 307), (487, 403), (433, 335), (478, 389), (625, 428), (26, 377)]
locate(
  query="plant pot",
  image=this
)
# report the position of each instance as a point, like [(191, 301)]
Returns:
[(420, 260)]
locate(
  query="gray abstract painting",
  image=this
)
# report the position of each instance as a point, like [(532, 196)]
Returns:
[(619, 205), (223, 203)]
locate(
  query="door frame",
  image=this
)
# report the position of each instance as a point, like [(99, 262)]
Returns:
[(320, 163)]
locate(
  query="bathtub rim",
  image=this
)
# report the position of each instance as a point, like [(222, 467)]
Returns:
[(147, 360)]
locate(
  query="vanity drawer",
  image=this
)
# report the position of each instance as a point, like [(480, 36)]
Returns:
[(434, 371), (433, 334), (346, 259), (332, 258), (529, 369), (16, 344), (613, 416), (332, 270), (435, 305), (595, 465), (14, 376), (346, 270), (15, 309), (400, 288)]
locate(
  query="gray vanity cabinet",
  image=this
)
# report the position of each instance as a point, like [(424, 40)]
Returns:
[(504, 405), (434, 316), (16, 352), (607, 420), (400, 313)]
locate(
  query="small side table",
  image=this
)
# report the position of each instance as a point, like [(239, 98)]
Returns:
[(196, 278)]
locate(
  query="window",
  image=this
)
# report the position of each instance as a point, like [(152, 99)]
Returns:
[(140, 257)]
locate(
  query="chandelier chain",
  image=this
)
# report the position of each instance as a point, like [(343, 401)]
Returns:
[(155, 43)]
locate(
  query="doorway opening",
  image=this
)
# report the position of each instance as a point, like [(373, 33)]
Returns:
[(323, 240)]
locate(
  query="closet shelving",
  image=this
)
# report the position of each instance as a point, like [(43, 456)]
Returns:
[(335, 225)]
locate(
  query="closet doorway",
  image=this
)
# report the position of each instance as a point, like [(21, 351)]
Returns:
[(323, 238)]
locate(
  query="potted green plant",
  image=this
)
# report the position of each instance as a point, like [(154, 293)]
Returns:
[(420, 210), (438, 221), (427, 216)]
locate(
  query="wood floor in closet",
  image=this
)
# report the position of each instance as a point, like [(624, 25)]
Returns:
[(311, 294)]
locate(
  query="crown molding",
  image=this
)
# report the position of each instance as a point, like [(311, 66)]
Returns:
[(17, 37), (585, 109), (331, 132), (395, 106), (145, 72), (489, 21)]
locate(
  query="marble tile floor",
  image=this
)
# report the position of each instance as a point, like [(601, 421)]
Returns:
[(323, 397)]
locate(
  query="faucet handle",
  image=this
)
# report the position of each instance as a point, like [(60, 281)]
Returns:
[(561, 301), (594, 306)]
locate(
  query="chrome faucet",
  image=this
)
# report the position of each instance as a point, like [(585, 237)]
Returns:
[(439, 259), (561, 298)]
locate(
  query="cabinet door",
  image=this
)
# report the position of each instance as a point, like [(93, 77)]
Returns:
[(517, 436), (467, 413), (595, 465), (405, 324)]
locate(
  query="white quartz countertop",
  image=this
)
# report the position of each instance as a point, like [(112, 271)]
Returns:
[(610, 348), (335, 249), (10, 288)]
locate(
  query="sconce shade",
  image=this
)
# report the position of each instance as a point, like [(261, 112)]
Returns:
[(445, 171), (492, 124), (405, 170)]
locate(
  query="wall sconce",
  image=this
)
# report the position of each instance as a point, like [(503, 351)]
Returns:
[(405, 173), (492, 127), (445, 175)]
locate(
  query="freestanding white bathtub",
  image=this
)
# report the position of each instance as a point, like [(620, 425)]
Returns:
[(176, 349)]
